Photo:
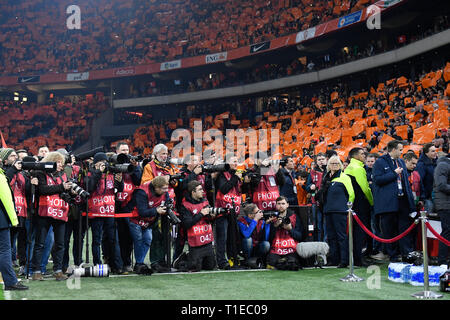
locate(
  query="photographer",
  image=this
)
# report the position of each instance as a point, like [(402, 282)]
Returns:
[(229, 195), (264, 183), (131, 181), (284, 237), (255, 232), (160, 231), (196, 219), (20, 182), (102, 185), (53, 211), (73, 224), (147, 201), (191, 171)]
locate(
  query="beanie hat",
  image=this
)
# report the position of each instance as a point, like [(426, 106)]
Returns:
[(99, 156), (63, 152), (5, 152)]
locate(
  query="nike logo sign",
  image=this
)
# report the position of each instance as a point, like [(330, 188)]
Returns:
[(254, 49), (26, 79)]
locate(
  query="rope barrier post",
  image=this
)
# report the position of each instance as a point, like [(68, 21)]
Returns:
[(351, 277), (426, 294)]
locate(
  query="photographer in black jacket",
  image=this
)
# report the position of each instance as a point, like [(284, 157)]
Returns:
[(196, 219), (285, 234), (229, 195), (53, 190), (265, 183)]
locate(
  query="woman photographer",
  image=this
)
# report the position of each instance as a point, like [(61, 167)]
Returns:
[(53, 188)]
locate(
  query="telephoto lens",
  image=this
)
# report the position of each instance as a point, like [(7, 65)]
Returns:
[(99, 270)]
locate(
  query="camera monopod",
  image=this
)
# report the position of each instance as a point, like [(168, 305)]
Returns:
[(30, 229)]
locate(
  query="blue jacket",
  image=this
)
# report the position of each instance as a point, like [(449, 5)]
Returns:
[(385, 188), (338, 193), (425, 167)]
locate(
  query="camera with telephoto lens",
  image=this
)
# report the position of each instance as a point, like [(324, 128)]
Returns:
[(99, 270), (76, 191), (39, 166), (88, 154), (215, 168), (178, 176), (169, 205), (119, 163), (213, 212), (269, 214), (120, 168), (79, 191), (250, 174)]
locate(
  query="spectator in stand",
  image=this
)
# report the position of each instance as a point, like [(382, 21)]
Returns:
[(393, 199), (425, 167), (441, 189)]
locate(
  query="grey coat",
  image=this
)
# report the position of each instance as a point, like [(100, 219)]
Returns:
[(441, 185)]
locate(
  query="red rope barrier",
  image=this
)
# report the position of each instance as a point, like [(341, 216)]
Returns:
[(115, 215), (381, 239), (437, 235)]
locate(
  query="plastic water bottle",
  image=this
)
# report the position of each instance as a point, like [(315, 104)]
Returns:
[(395, 272), (406, 273), (416, 276), (434, 273)]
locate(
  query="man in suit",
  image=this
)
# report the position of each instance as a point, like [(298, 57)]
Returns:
[(393, 199)]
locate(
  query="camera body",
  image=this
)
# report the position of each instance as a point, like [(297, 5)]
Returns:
[(76, 191), (169, 205)]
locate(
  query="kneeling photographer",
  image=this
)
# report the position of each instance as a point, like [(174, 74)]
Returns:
[(196, 217), (148, 201), (284, 237), (255, 230), (54, 191)]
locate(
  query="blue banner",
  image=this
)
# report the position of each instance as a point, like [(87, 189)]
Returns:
[(350, 19)]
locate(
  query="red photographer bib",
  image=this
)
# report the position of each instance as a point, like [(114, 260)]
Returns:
[(52, 205), (102, 200), (283, 243), (226, 200), (18, 187), (201, 233), (153, 202), (266, 193), (128, 187)]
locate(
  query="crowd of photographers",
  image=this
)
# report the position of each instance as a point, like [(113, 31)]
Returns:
[(192, 214)]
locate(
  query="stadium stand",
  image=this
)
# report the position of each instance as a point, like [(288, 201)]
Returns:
[(117, 34)]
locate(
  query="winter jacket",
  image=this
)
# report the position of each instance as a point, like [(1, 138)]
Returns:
[(441, 186), (385, 188), (425, 167)]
